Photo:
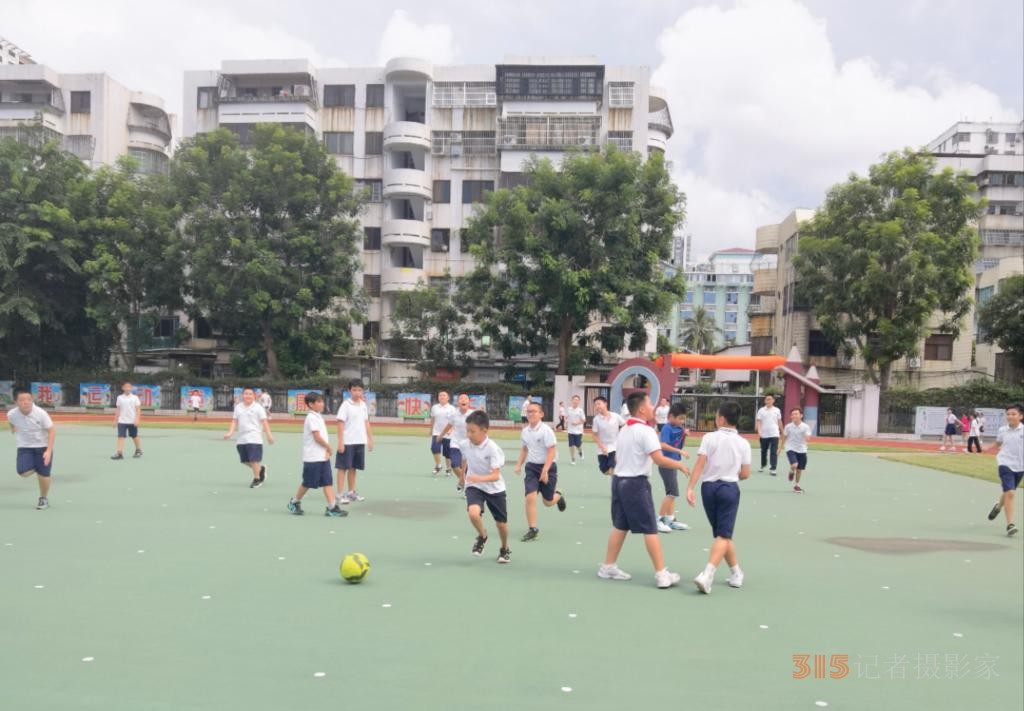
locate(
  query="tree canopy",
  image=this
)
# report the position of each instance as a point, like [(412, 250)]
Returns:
[(1001, 319)]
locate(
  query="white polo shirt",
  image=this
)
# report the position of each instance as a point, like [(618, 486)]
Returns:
[(537, 440), (1011, 448), (128, 408), (441, 415), (661, 414), (355, 416), (726, 452), (607, 429), (31, 430), (577, 418), (634, 445), (769, 417), (458, 433), (796, 437), (250, 423), (481, 459), (311, 451), (195, 402)]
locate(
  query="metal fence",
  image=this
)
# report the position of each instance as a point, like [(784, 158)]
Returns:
[(701, 410)]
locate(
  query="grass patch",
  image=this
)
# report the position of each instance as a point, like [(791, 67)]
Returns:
[(977, 467)]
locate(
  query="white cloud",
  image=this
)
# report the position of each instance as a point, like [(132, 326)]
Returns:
[(403, 37), (766, 117)]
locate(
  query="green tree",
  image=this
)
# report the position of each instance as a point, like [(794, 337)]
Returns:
[(1001, 319), (885, 253), (699, 331), (42, 287), (136, 268), (577, 245), (270, 234), (427, 323)]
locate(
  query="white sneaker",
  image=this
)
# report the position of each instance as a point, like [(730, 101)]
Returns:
[(613, 572), (942, 448), (663, 527), (342, 499), (703, 582), (678, 525), (572, 462), (666, 578), (735, 580), (354, 496)]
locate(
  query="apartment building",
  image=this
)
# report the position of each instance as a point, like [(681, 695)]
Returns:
[(721, 286), (11, 53)]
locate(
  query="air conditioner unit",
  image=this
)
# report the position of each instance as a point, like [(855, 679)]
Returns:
[(302, 90), (914, 363)]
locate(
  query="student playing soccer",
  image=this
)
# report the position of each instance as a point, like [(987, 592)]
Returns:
[(605, 430), (355, 437), (440, 417), (316, 459), (250, 419), (34, 434), (768, 423), (632, 506), (458, 436), (794, 443), (126, 420), (722, 461), (484, 483), (577, 419), (672, 436), (539, 451), (1010, 460)]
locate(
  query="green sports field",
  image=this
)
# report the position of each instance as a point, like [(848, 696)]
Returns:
[(166, 583)]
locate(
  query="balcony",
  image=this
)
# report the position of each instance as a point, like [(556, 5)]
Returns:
[(765, 281), (407, 182), (448, 94), (408, 68), (548, 133), (151, 119), (762, 307), (32, 99), (268, 89), (767, 240), (406, 136), (405, 233), (394, 279), (660, 121)]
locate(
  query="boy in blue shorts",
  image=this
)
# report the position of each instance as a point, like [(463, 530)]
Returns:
[(794, 444), (672, 435), (250, 419), (1010, 459), (316, 459), (34, 433), (457, 432), (722, 461), (484, 483), (577, 420), (440, 443), (355, 437), (539, 451), (605, 430)]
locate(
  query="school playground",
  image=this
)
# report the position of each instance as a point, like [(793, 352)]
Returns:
[(166, 583)]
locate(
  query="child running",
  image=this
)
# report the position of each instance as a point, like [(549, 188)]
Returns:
[(794, 443), (577, 419), (316, 459), (539, 451), (440, 445), (126, 420), (723, 460), (974, 433), (605, 430), (34, 435), (1010, 459), (266, 402), (250, 419), (632, 506), (354, 438), (484, 483), (672, 436), (458, 435)]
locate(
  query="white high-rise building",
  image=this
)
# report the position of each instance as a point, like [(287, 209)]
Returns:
[(11, 53), (430, 141)]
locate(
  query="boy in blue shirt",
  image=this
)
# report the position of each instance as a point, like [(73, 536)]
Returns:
[(672, 436)]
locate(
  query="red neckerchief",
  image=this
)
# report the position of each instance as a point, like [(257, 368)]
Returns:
[(634, 421)]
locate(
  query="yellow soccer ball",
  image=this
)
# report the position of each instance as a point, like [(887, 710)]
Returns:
[(355, 567)]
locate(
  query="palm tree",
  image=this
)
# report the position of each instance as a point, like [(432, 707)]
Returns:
[(699, 333)]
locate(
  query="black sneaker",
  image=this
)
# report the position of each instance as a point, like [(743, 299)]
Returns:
[(531, 535), (478, 547), (995, 512), (138, 453), (1011, 529), (255, 484), (561, 501), (335, 511), (296, 507), (263, 473), (504, 556), (117, 456)]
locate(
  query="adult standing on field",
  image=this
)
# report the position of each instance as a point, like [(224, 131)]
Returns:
[(768, 424)]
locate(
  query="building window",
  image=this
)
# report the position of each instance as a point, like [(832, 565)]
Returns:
[(150, 162), (407, 258), (374, 96), (620, 94), (731, 316), (938, 346), (338, 143), (205, 96), (463, 243), (374, 143), (442, 191), (81, 102), (440, 240), (371, 329), (371, 238), (474, 190), (339, 95), (166, 327), (375, 189), (991, 136), (709, 297), (688, 298), (623, 140), (201, 328), (962, 138), (818, 345), (371, 284), (732, 297)]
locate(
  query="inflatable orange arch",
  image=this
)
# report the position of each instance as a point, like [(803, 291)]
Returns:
[(722, 362)]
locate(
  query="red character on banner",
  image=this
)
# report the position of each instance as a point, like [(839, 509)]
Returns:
[(300, 402), (145, 396), (45, 394), (95, 396), (412, 406)]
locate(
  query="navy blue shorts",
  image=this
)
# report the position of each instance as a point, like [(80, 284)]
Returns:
[(797, 458), (575, 440), (533, 484), (950, 430), (721, 502), (1009, 478), (354, 457), (606, 461), (249, 453), (497, 504), (124, 430), (632, 505), (455, 454), (441, 446), (670, 478), (31, 459), (316, 474)]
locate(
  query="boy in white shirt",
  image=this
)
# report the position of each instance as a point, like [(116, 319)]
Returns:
[(195, 403), (250, 419), (577, 419), (316, 459), (1010, 459), (484, 483), (605, 430), (354, 437), (34, 434), (768, 423), (457, 432), (440, 445), (265, 402), (126, 420), (539, 451), (794, 444), (723, 460), (632, 504)]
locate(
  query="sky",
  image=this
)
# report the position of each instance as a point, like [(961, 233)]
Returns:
[(773, 101)]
